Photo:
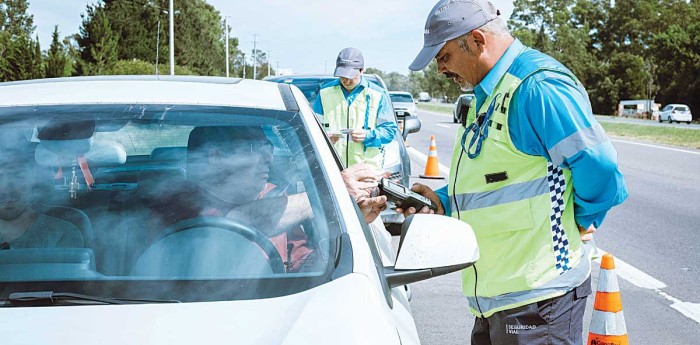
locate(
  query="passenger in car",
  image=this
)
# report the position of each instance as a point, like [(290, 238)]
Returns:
[(20, 225), (227, 175)]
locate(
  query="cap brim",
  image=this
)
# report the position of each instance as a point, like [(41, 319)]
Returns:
[(346, 72), (424, 56)]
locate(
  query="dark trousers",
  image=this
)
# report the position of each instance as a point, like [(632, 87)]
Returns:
[(557, 321)]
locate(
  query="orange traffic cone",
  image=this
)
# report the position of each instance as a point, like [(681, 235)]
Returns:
[(431, 166), (608, 321)]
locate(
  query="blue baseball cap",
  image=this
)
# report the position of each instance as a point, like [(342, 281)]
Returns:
[(448, 20), (349, 63)]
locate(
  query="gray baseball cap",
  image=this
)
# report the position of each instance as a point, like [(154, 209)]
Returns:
[(349, 63), (448, 20)]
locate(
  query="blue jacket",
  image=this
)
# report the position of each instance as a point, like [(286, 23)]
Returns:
[(551, 117)]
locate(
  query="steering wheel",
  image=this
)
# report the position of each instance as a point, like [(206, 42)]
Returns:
[(249, 233)]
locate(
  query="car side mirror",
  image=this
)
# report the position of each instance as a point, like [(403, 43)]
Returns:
[(411, 124), (430, 246), (463, 104)]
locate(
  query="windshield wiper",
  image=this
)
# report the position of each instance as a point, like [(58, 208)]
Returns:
[(43, 298)]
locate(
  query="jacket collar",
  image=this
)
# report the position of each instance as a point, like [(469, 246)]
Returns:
[(484, 89)]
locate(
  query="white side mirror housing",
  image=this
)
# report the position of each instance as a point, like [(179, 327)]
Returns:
[(430, 246)]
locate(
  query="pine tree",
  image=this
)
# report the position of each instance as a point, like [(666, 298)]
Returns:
[(97, 41), (18, 51), (57, 59)]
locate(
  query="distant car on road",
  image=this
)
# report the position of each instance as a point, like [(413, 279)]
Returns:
[(424, 97), (462, 105), (675, 112), (404, 104)]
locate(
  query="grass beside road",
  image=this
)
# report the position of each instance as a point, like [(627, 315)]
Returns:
[(655, 134), (437, 107)]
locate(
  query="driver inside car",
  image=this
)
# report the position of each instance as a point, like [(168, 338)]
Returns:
[(228, 170)]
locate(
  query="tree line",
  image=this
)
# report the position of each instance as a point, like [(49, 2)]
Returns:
[(123, 37), (619, 49)]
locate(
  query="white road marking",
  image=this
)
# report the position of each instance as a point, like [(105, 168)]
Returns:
[(626, 271), (441, 125), (436, 113), (656, 146), (634, 275)]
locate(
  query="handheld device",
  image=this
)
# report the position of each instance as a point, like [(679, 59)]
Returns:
[(403, 197), (340, 133)]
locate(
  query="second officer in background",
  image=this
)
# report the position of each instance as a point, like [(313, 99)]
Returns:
[(356, 113)]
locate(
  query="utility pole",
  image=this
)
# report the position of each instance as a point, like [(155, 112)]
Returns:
[(171, 14), (255, 57), (226, 35), (277, 70), (243, 65), (157, 45), (268, 62)]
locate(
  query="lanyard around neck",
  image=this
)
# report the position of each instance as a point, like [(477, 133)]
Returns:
[(480, 128)]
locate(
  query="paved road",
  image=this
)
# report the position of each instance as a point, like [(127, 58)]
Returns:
[(617, 119), (654, 236)]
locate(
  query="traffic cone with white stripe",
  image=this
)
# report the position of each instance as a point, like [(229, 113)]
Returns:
[(608, 322), (431, 166)]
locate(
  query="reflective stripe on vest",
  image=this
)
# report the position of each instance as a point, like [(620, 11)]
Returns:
[(521, 209), (362, 113)]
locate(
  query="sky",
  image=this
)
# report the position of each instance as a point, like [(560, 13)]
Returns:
[(301, 36)]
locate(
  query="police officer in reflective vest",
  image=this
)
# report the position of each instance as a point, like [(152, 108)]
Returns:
[(356, 113), (532, 172)]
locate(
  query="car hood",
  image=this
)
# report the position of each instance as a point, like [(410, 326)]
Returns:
[(405, 105), (348, 310)]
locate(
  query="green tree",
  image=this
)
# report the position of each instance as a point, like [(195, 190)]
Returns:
[(57, 60), (20, 55), (397, 82), (97, 42), (678, 59), (143, 31)]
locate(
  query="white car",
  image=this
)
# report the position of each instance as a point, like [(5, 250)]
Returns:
[(101, 158), (404, 104), (675, 112)]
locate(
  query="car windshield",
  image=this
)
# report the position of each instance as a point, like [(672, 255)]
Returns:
[(162, 202), (310, 87), (682, 108), (401, 98)]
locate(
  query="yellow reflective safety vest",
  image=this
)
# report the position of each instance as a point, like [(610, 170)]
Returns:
[(520, 206), (361, 114)]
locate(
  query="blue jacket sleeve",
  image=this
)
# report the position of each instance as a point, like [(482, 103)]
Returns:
[(444, 199), (318, 107), (556, 121), (386, 128)]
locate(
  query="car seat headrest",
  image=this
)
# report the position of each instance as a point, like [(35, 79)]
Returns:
[(65, 136), (100, 153)]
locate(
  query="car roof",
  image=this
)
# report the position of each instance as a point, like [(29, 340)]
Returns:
[(316, 77), (216, 91), (400, 93)]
